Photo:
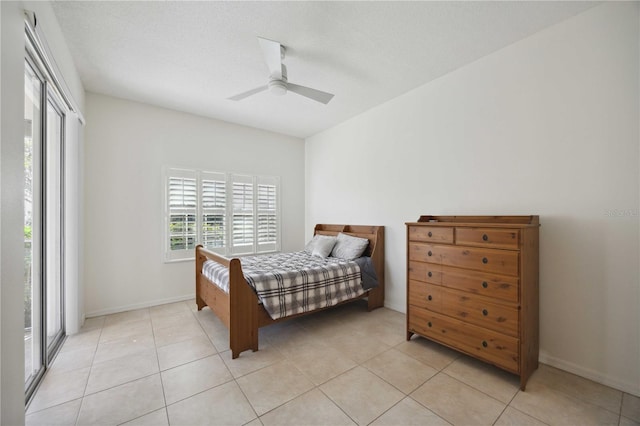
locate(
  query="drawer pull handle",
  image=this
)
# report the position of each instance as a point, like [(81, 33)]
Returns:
[(485, 237), (429, 298), (485, 284), (485, 260), (485, 312), (429, 274), (484, 344), (429, 323), (429, 253), (430, 234)]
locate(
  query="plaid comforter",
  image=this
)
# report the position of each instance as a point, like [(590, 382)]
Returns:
[(291, 283)]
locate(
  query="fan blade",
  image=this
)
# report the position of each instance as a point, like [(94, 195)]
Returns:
[(310, 93), (248, 93), (272, 52)]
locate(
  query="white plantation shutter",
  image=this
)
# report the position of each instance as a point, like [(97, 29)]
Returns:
[(243, 222), (214, 211), (182, 205), (232, 214), (267, 212)]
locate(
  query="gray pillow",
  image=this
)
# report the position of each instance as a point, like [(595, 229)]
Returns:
[(321, 245), (348, 247)]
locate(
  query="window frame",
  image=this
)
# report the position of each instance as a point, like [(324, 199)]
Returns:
[(228, 249)]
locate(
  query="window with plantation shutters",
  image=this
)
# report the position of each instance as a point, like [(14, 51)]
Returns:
[(231, 214), (182, 204)]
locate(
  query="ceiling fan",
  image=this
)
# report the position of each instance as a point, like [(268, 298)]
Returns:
[(278, 84)]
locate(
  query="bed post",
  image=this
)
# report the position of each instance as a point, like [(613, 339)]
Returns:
[(243, 320), (199, 262), (376, 295)]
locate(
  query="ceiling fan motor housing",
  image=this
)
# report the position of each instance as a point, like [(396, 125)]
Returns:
[(277, 87)]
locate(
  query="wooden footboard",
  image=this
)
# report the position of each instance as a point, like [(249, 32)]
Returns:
[(241, 311), (238, 309)]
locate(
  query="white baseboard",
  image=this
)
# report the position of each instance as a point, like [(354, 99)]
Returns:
[(622, 385), (138, 306), (395, 307)]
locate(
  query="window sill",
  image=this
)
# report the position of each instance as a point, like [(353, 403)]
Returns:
[(189, 259)]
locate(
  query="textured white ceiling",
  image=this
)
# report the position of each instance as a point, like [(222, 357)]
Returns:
[(191, 56)]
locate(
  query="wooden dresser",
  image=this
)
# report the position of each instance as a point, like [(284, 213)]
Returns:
[(472, 285)]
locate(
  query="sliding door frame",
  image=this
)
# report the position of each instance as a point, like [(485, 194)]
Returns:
[(37, 247), (53, 347), (49, 96)]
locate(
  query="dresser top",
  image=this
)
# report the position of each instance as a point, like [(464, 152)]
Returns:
[(494, 221)]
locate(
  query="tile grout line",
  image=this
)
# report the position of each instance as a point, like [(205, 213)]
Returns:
[(89, 375), (155, 348), (357, 364), (422, 405), (406, 395), (285, 358), (159, 372), (508, 406), (286, 402), (234, 379), (199, 392), (334, 402), (391, 384), (124, 383), (195, 360), (520, 411)]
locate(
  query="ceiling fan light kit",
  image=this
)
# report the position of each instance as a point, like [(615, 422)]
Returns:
[(278, 84)]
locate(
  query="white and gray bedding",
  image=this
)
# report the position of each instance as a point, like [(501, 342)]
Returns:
[(292, 283)]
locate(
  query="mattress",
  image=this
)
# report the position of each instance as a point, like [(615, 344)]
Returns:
[(293, 283)]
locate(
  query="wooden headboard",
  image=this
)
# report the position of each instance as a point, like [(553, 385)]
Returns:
[(375, 234)]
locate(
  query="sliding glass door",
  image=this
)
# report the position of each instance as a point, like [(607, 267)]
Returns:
[(43, 225), (54, 209), (33, 100)]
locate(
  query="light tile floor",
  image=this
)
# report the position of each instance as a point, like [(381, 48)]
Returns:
[(170, 364)]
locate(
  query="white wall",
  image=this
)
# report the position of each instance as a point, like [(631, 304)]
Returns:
[(11, 225), (12, 190), (126, 146), (546, 126)]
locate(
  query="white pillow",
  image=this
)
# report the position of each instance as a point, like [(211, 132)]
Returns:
[(321, 245), (348, 247)]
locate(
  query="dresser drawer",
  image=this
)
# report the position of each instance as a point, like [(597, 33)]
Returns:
[(435, 234), (424, 252), (488, 345), (488, 237), (481, 259), (427, 272), (489, 285), (474, 309), (425, 295)]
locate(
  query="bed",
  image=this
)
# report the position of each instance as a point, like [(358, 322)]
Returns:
[(239, 307)]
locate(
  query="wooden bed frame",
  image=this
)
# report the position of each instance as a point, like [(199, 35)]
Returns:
[(240, 309)]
